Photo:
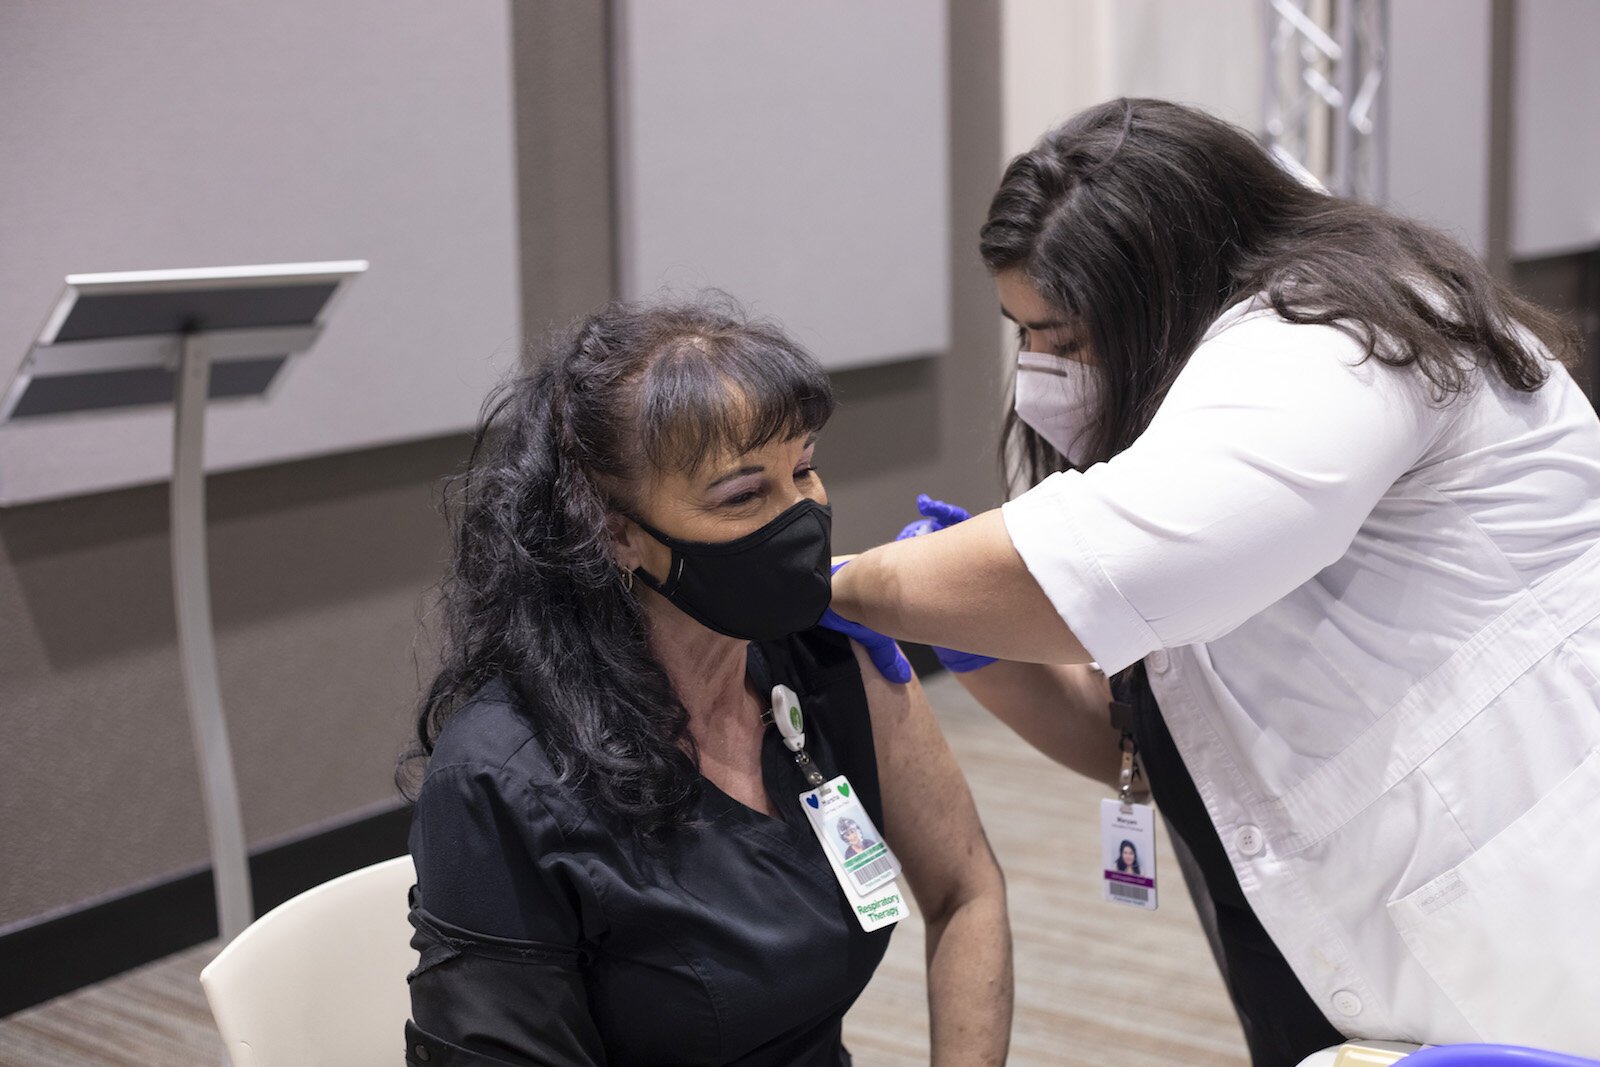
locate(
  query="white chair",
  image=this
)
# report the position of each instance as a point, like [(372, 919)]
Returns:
[(321, 978), (1360, 1054)]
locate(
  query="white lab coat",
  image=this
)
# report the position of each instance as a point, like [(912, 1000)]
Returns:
[(1372, 623)]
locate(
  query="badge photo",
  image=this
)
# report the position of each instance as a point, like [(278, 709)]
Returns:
[(862, 862), (1128, 853)]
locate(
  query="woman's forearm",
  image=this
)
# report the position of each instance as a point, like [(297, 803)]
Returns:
[(970, 981), (963, 587), (1061, 710)]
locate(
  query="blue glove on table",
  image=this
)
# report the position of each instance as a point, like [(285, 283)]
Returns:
[(881, 650), (936, 515)]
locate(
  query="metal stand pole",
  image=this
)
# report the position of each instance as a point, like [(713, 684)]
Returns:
[(197, 644), (1323, 106)]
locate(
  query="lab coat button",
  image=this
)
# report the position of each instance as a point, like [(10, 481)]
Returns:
[(1248, 840), (1347, 1002), (1157, 662)]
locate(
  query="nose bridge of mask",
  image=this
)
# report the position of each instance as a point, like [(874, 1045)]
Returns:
[(1075, 375), (778, 525)]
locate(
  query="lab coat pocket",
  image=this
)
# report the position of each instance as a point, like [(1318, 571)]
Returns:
[(1510, 934)]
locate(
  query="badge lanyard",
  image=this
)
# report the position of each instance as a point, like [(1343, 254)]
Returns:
[(864, 865), (1127, 830)]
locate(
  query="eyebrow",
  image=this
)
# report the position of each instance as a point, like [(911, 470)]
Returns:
[(1037, 327), (811, 439), (731, 475)]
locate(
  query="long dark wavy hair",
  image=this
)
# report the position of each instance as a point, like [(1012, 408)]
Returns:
[(533, 594), (1143, 220)]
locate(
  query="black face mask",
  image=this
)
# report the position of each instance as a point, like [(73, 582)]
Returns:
[(767, 584)]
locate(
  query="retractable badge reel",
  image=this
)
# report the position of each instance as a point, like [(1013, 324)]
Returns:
[(1127, 830), (863, 864)]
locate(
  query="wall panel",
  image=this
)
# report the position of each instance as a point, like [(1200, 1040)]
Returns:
[(795, 155), (191, 133)]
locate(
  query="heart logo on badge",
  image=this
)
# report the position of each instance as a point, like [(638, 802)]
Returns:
[(844, 789), (814, 802)]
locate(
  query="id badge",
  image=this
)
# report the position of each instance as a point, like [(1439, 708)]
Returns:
[(1128, 853), (865, 866)]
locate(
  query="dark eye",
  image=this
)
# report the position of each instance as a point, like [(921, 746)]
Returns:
[(804, 473), (741, 499), (1022, 338)]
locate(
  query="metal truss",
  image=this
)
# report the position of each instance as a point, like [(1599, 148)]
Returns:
[(1324, 93)]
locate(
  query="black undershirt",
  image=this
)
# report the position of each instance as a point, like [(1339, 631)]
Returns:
[(1282, 1024)]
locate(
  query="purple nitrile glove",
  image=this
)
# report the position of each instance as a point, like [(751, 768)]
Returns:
[(936, 515), (881, 650), (960, 662)]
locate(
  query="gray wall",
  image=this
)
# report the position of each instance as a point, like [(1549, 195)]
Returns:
[(319, 567), (196, 133), (1438, 98), (901, 428), (793, 154), (1441, 92), (1556, 132), (931, 425)]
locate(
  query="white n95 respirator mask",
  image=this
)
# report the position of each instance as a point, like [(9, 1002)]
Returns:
[(1059, 398)]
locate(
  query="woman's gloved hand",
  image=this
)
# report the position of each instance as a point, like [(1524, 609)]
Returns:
[(936, 515), (881, 650)]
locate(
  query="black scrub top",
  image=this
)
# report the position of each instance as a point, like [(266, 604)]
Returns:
[(1282, 1024), (548, 936)]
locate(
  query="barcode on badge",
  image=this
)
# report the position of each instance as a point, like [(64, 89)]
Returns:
[(865, 874), (1133, 894)]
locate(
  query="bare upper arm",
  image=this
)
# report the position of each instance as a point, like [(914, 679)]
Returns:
[(929, 816)]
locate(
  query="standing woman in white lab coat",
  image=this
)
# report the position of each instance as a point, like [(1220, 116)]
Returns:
[(1318, 492)]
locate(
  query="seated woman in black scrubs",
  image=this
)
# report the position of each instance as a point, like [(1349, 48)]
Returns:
[(614, 863)]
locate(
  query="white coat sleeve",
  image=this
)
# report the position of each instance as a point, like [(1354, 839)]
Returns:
[(1271, 449)]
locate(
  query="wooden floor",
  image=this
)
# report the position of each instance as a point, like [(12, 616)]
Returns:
[(1096, 984)]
